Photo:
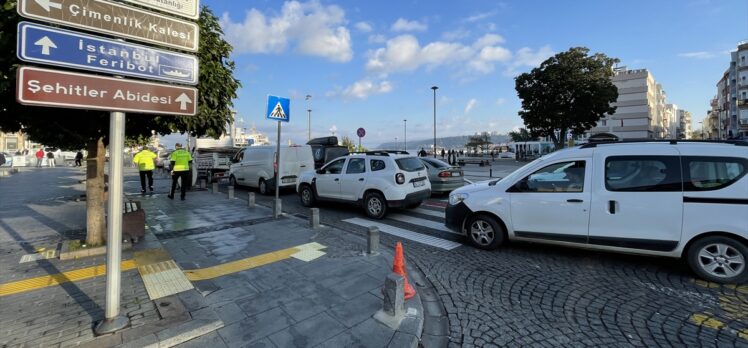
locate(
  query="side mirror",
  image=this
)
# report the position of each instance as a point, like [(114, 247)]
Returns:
[(321, 171)]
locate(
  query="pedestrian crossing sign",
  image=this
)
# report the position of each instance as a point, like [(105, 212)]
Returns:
[(279, 109)]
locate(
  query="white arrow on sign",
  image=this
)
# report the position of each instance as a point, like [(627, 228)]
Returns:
[(46, 43), (183, 99), (47, 4)]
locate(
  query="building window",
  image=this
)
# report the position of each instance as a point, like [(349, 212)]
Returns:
[(11, 143), (605, 123)]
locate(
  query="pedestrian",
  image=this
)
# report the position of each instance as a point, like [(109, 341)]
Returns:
[(39, 157), (493, 154), (146, 162), (181, 160), (422, 153), (50, 159), (442, 153), (2, 159), (78, 158)]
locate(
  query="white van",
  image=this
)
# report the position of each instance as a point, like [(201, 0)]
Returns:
[(675, 199), (254, 166)]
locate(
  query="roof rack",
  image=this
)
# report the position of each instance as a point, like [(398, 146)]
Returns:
[(669, 141), (381, 152)]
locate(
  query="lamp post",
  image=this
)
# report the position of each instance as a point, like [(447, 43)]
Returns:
[(434, 88), (405, 135), (309, 116), (396, 142)]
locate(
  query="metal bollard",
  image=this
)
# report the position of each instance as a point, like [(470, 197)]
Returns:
[(231, 192), (314, 218), (251, 200), (490, 172), (215, 187), (372, 242), (394, 294), (203, 184), (277, 208)]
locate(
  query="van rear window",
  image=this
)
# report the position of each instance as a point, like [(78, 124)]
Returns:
[(409, 164)]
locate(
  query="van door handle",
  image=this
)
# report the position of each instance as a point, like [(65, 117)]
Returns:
[(336, 179), (574, 200), (612, 207), (361, 179)]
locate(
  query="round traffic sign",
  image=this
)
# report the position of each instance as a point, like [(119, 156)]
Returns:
[(361, 132)]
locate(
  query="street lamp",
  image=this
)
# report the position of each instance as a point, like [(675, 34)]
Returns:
[(434, 88), (309, 116), (405, 135), (396, 142)]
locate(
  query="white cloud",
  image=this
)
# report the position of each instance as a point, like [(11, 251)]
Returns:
[(697, 55), (403, 24), (377, 38), (405, 53), (457, 34), (500, 101), (311, 28), (470, 105), (363, 27), (526, 57), (362, 89), (480, 16)]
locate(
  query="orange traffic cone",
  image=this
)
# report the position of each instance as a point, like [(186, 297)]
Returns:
[(398, 266)]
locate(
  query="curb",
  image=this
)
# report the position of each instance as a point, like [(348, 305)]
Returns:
[(435, 329), (173, 336)]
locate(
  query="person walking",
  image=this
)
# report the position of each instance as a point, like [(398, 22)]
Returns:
[(50, 159), (39, 158), (180, 168), (146, 161), (78, 159), (422, 153)]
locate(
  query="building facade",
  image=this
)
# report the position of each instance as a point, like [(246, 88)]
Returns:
[(642, 109), (13, 142)]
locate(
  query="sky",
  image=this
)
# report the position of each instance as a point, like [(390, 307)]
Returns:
[(372, 64)]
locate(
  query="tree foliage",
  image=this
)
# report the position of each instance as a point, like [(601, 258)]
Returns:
[(521, 135), (569, 91), (478, 141), (77, 129)]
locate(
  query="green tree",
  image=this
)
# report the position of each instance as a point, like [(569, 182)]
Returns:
[(522, 135), (569, 91), (347, 142), (77, 129), (479, 141)]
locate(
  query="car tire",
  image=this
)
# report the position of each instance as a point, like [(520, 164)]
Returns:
[(375, 205), (414, 205), (484, 232), (263, 187), (719, 259), (306, 195), (232, 181)]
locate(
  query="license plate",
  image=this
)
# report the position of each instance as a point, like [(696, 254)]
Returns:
[(419, 183), (456, 174)]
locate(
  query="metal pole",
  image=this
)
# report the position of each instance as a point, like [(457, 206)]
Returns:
[(113, 320), (359, 144), (434, 88), (309, 124), (405, 135), (276, 213)]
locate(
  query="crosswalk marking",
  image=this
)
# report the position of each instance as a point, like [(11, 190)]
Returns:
[(439, 214), (420, 222), (403, 233)]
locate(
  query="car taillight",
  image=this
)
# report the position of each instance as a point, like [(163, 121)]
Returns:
[(445, 174), (400, 178)]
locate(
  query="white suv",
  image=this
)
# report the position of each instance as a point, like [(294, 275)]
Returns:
[(378, 180), (675, 199)]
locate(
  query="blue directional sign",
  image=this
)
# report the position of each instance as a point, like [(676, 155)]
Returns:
[(279, 109), (46, 45)]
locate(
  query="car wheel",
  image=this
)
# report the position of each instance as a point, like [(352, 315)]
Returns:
[(306, 195), (719, 259), (233, 182), (263, 187), (485, 232), (414, 205), (375, 205)]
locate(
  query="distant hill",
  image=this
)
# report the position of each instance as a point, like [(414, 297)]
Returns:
[(457, 142)]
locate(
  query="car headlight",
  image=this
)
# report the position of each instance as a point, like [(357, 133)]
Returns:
[(456, 198)]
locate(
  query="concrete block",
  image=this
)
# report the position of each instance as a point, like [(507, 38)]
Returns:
[(251, 200), (215, 187), (314, 217), (394, 294), (231, 192)]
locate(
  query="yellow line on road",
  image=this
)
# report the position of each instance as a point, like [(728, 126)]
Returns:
[(59, 278)]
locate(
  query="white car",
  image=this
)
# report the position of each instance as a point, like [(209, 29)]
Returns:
[(675, 199), (377, 180)]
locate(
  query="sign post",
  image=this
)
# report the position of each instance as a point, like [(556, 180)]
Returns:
[(278, 109), (361, 133)]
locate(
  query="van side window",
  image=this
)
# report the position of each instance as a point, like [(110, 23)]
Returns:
[(376, 165), (356, 166), (643, 174), (557, 177), (712, 173)]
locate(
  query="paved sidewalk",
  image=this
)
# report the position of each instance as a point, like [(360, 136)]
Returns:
[(255, 281)]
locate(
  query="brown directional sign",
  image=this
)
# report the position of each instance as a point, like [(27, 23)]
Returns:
[(53, 88), (114, 19)]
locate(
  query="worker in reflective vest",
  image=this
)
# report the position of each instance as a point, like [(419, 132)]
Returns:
[(180, 169), (146, 162)]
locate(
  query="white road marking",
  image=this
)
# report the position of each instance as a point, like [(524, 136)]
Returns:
[(403, 233), (420, 222), (439, 214)]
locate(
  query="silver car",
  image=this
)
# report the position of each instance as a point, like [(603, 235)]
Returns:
[(443, 177)]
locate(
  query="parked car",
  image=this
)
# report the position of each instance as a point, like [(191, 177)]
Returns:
[(254, 166), (6, 160), (679, 199), (443, 177), (375, 180), (506, 154), (326, 149)]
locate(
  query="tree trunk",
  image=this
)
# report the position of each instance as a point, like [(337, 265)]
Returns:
[(95, 224)]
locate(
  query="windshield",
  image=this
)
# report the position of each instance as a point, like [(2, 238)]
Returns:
[(409, 164), (436, 163)]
